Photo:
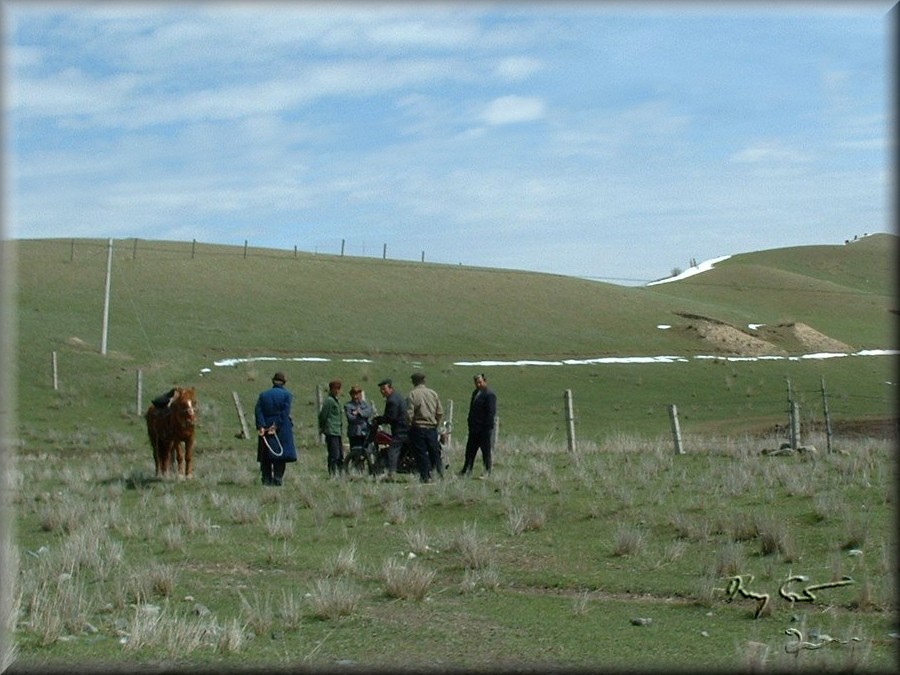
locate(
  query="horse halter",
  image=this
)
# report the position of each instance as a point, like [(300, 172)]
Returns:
[(185, 414)]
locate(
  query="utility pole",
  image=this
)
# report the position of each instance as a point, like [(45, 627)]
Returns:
[(106, 298)]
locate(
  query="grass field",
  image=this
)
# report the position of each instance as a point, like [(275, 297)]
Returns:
[(545, 564), (549, 563)]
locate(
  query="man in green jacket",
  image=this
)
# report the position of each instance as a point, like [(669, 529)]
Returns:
[(331, 425)]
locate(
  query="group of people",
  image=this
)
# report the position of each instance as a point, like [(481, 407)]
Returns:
[(414, 419)]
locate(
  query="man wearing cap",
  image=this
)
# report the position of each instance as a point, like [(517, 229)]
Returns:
[(395, 415), (331, 426), (425, 414), (359, 414), (275, 445)]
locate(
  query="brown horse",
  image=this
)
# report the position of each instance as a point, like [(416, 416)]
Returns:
[(171, 430)]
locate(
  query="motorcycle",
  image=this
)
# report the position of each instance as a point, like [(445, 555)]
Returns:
[(372, 455)]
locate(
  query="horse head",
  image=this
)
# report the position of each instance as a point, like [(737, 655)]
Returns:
[(185, 405)]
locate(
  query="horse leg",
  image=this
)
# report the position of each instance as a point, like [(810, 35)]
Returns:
[(154, 440), (178, 446), (157, 459), (173, 464), (166, 457), (161, 447), (157, 454), (189, 457)]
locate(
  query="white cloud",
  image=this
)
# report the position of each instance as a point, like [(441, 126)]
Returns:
[(423, 33), (515, 68), (770, 151), (513, 109)]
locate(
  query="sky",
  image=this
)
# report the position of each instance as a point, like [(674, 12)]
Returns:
[(619, 142)]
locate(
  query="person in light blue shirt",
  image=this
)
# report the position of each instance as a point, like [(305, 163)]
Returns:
[(359, 414)]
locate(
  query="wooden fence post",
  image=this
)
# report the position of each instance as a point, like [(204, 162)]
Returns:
[(245, 432), (318, 408), (495, 434), (450, 423), (827, 419), (139, 385), (795, 425), (676, 429), (570, 420)]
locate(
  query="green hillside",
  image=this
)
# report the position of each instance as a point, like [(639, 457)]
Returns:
[(621, 553), (845, 292), (272, 301), (177, 308)]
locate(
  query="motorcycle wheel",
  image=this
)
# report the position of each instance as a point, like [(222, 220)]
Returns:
[(356, 460)]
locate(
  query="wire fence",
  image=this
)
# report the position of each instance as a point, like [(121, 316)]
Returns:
[(135, 247)]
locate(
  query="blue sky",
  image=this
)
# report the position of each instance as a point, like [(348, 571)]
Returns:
[(613, 141)]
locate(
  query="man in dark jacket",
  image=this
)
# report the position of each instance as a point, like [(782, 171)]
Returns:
[(275, 446), (482, 413), (394, 414)]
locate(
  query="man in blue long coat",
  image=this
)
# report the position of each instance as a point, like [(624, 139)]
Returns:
[(275, 446)]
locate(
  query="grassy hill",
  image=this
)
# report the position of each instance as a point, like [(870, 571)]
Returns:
[(847, 292), (521, 570), (176, 308)]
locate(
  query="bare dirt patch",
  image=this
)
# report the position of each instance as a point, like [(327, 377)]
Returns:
[(776, 340), (884, 428), (816, 341), (735, 341), (726, 339), (78, 343)]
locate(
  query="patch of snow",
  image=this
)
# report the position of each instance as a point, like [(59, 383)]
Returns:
[(507, 363), (691, 271), (252, 359), (589, 361), (754, 326), (625, 359)]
